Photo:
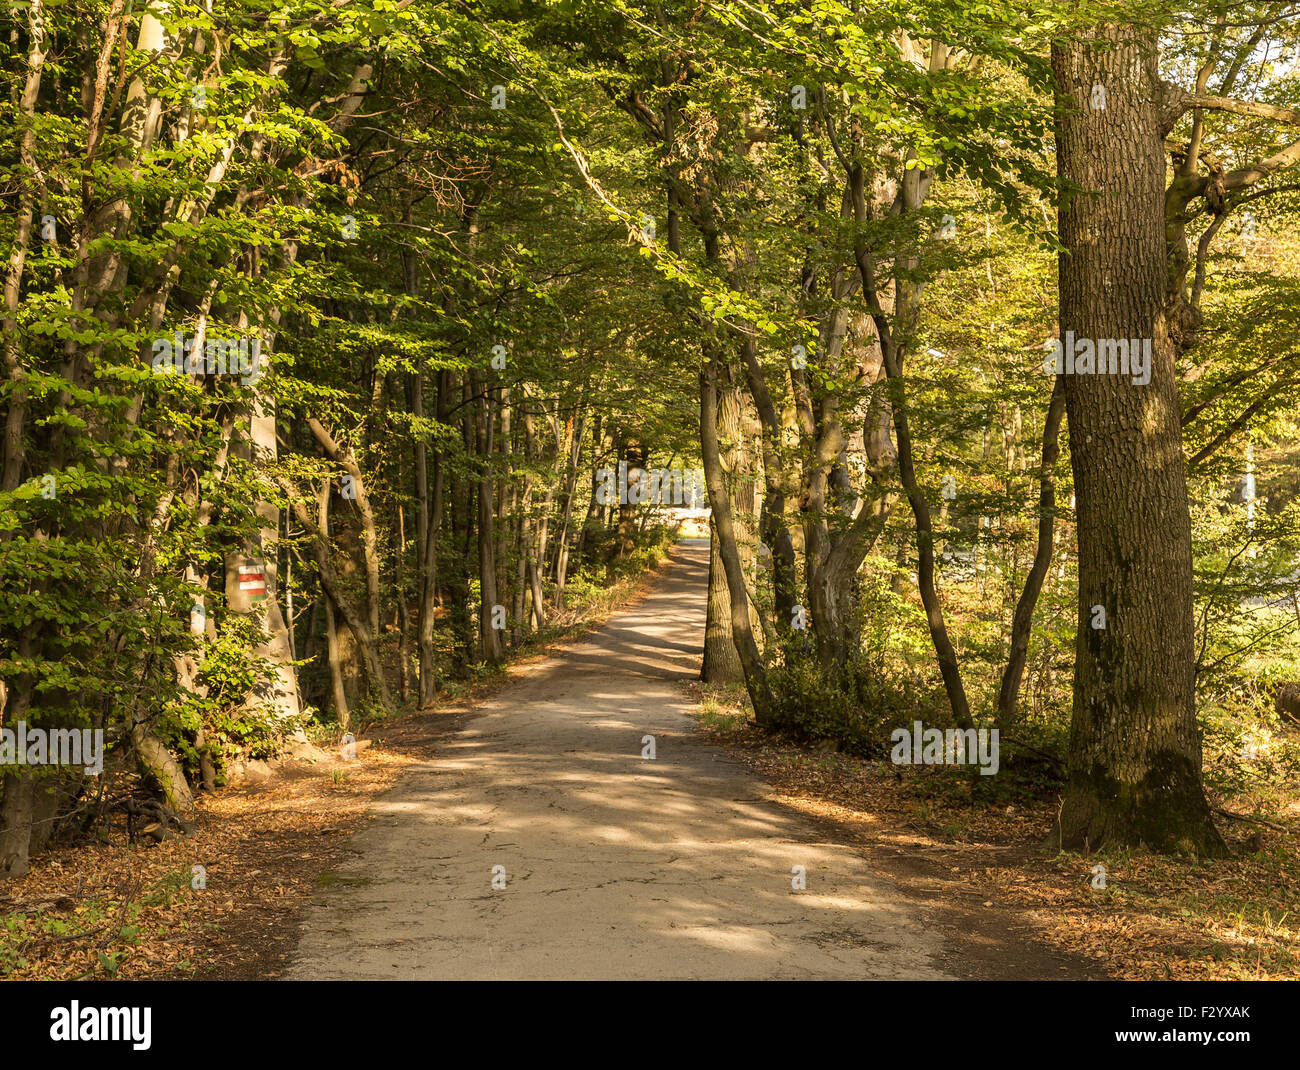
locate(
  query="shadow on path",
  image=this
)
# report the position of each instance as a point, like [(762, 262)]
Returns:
[(615, 866)]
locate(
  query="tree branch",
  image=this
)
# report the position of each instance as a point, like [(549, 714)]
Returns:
[(1242, 107)]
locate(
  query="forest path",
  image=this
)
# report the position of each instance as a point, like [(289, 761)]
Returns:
[(616, 866)]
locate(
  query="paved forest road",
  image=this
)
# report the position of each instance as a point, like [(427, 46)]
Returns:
[(616, 866)]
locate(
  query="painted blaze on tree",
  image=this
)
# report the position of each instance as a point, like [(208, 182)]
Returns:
[(1135, 750)]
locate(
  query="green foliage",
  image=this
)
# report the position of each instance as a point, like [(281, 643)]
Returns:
[(434, 280), (856, 708), (236, 722)]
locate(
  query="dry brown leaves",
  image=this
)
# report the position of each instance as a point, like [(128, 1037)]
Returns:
[(1157, 917), (130, 911)]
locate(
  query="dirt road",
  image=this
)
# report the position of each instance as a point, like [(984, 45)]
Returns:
[(615, 866)]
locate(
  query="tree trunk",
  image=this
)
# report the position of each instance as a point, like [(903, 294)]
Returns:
[(429, 562), (523, 540), (331, 627), (403, 609), (722, 664), (491, 648), (570, 486), (462, 530), (159, 767), (357, 624), (893, 352), (742, 632), (16, 412), (16, 811), (336, 669), (772, 526), (634, 457), (262, 449), (1008, 696), (597, 444), (369, 527), (1134, 774)]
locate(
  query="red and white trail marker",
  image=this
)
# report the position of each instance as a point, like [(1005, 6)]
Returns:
[(252, 580)]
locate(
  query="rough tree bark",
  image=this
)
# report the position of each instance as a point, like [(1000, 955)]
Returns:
[(742, 632), (722, 664), (1134, 771)]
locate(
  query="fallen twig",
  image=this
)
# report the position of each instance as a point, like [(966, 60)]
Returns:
[(1254, 820), (65, 938)]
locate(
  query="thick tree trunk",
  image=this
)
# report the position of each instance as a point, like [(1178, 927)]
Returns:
[(722, 664), (19, 787), (634, 456), (834, 603), (264, 604), (16, 812), (369, 527), (1135, 750), (161, 769), (16, 412), (742, 632), (832, 586), (538, 607)]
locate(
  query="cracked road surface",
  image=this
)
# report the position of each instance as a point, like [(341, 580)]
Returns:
[(616, 866)]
